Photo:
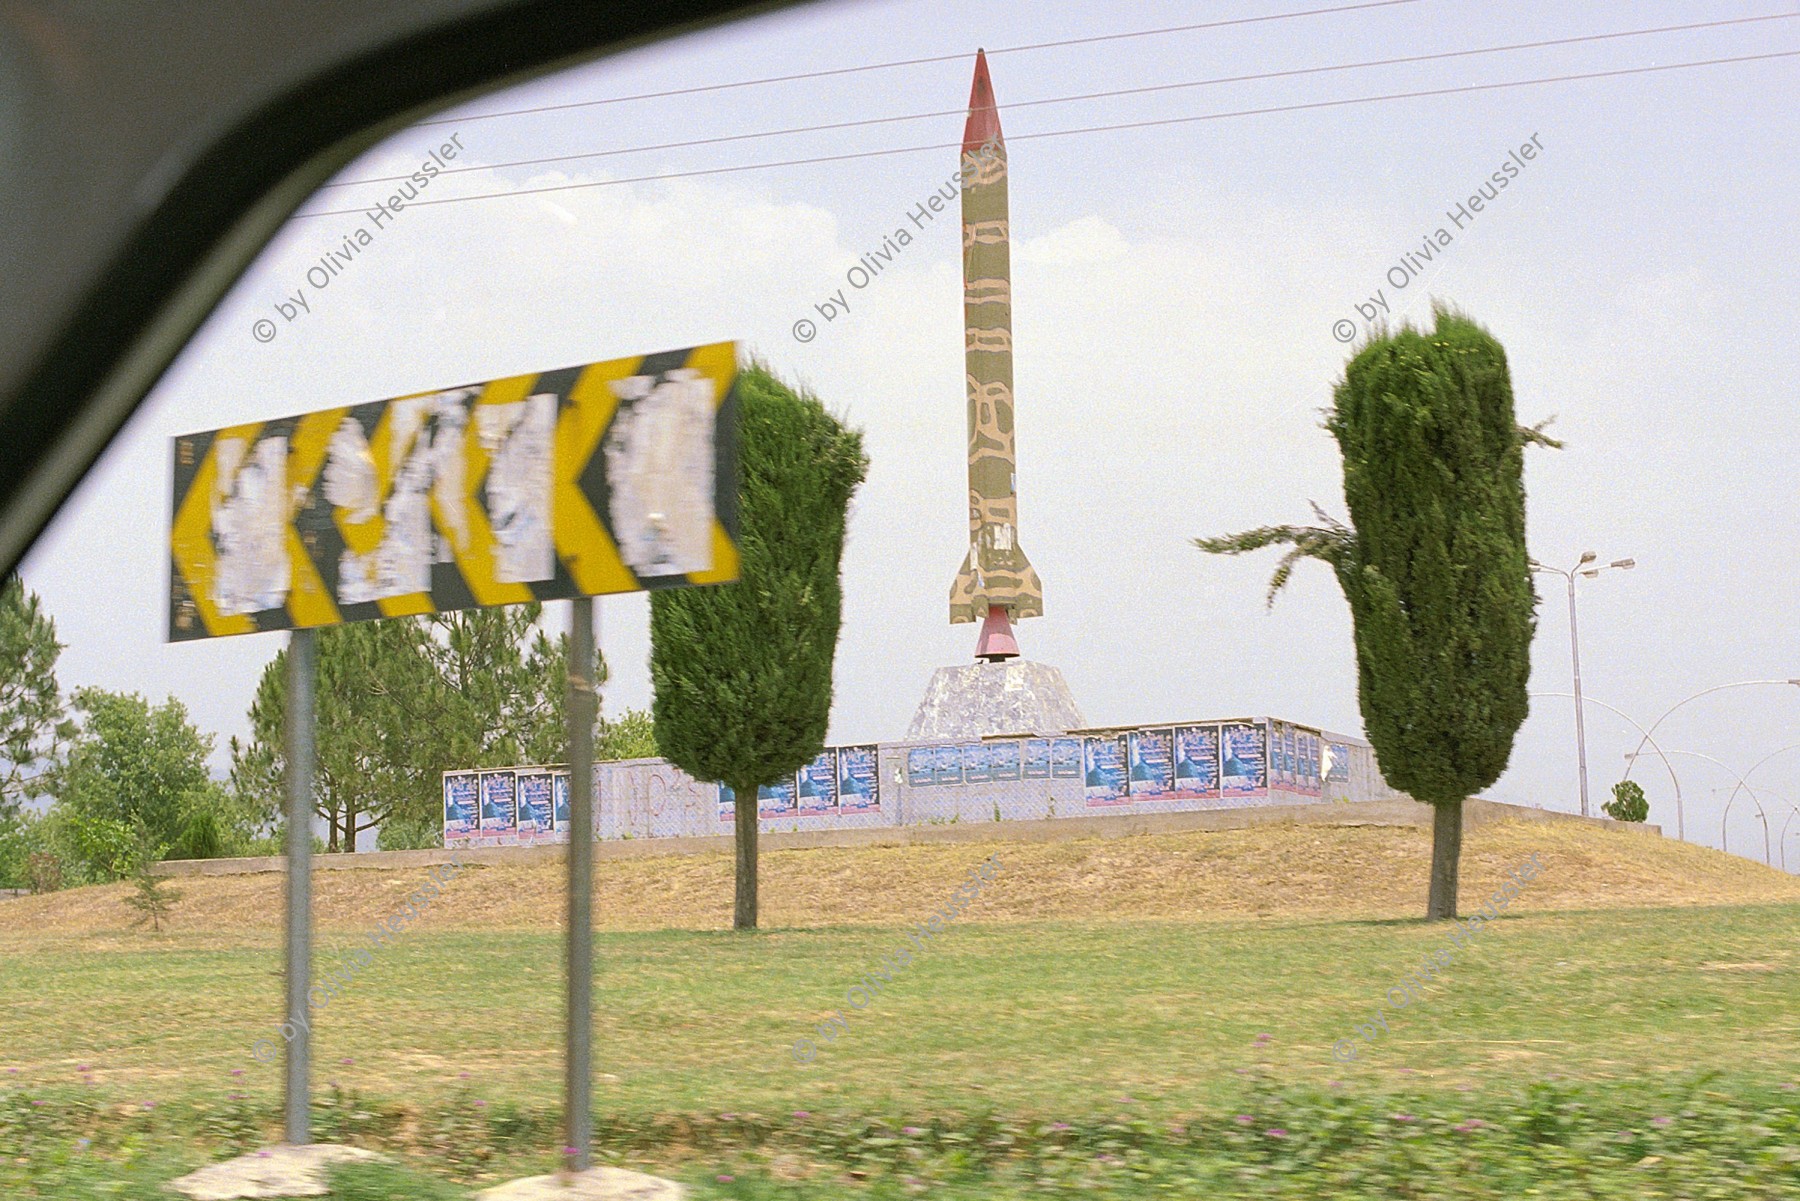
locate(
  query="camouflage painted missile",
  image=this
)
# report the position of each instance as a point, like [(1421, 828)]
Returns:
[(995, 575)]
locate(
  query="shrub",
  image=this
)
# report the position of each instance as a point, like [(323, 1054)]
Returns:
[(408, 834), (1628, 803)]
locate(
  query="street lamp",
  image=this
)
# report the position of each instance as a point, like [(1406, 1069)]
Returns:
[(1744, 786), (1680, 816), (1703, 692), (1581, 568)]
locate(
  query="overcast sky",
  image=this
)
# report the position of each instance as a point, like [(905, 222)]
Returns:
[(1175, 292)]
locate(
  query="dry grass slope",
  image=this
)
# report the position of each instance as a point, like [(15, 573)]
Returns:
[(1275, 872)]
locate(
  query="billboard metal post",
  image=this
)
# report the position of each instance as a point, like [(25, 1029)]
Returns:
[(578, 1078), (299, 754)]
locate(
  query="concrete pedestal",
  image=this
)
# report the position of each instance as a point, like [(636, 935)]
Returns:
[(595, 1184), (1014, 696), (280, 1171)]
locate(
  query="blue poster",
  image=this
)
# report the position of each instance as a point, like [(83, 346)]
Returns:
[(1037, 758), (1308, 773), (1279, 775), (499, 803), (777, 800), (1150, 754), (859, 780), (461, 796), (1243, 760), (535, 816), (1065, 759), (1340, 762), (948, 765), (1003, 760), (1103, 762), (818, 784), (727, 804), (559, 799), (1290, 738), (1197, 761), (975, 761), (921, 767)]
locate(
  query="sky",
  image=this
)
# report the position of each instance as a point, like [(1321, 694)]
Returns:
[(1177, 292)]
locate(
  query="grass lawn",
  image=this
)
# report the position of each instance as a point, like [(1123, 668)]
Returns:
[(1009, 1059)]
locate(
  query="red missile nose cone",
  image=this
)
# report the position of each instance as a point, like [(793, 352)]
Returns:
[(996, 642), (984, 117)]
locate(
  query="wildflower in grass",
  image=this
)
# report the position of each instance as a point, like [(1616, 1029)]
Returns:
[(237, 1071), (149, 1105), (480, 1104), (1662, 1121), (1060, 1126), (801, 1114), (1277, 1132), (1403, 1117), (346, 1061), (83, 1068), (1264, 1039), (725, 1178), (728, 1117), (909, 1131), (82, 1144), (1245, 1119)]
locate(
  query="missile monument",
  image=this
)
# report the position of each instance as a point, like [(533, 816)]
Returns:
[(1001, 692)]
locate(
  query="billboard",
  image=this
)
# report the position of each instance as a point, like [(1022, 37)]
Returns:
[(559, 800), (1103, 765), (536, 815), (859, 780), (1150, 756), (818, 784), (1243, 759), (607, 477), (499, 803), (462, 799), (1197, 761)]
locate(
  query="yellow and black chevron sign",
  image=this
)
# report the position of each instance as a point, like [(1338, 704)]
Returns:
[(609, 477)]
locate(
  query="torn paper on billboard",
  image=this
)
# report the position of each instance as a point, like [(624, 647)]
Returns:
[(250, 526), (518, 438), (659, 469)]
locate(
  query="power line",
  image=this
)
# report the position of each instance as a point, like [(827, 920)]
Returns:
[(914, 62), (1060, 133), (1162, 87)]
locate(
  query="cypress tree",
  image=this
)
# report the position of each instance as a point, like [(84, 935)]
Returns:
[(742, 672), (1433, 565)]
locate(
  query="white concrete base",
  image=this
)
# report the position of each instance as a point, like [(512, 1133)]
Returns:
[(595, 1184), (283, 1170), (974, 700)]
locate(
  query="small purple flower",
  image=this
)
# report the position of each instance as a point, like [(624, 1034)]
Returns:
[(84, 1068), (1128, 1100), (1470, 1126), (1403, 1117), (37, 1102), (801, 1114), (1060, 1126), (1662, 1121), (1264, 1038), (725, 1178), (571, 1150), (462, 1075), (909, 1131), (237, 1071), (262, 1155), (234, 1096), (1334, 1084), (480, 1104), (149, 1105), (1277, 1132), (1245, 1119), (728, 1117), (346, 1061), (82, 1144)]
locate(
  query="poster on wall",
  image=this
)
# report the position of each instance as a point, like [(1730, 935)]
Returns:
[(1280, 774), (1243, 760), (1065, 759), (1150, 755), (921, 767), (559, 800), (535, 813), (727, 805), (948, 765), (777, 799), (1291, 749), (818, 785), (1309, 783), (461, 800), (1103, 765), (499, 803), (1037, 759), (1197, 761), (859, 780), (1339, 772), (1003, 760), (975, 764)]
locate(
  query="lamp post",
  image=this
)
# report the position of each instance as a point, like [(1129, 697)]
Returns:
[(1680, 816), (1703, 692), (1581, 568), (1781, 839), (1744, 786)]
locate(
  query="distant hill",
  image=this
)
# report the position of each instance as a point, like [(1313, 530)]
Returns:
[(1275, 871)]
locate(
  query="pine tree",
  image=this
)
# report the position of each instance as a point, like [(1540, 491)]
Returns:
[(1433, 565), (742, 671)]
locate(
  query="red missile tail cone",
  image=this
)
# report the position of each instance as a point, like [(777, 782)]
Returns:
[(996, 642), (984, 116)]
